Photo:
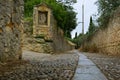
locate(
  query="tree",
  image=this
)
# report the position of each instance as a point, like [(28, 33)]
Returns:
[(68, 2), (91, 29), (91, 26), (106, 9), (75, 35), (62, 11)]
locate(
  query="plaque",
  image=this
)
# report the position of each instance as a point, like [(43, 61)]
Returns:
[(42, 18)]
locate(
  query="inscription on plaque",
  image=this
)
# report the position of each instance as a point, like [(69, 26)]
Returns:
[(43, 18)]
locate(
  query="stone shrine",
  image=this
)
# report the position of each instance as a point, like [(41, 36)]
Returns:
[(47, 36), (41, 21)]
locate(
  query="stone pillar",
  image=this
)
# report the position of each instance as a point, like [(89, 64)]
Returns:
[(11, 23)]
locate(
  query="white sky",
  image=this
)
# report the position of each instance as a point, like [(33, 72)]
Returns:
[(89, 9)]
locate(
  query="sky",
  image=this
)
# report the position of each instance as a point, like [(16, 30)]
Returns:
[(89, 10)]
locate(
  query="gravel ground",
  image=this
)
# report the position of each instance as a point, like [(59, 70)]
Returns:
[(109, 65), (44, 67)]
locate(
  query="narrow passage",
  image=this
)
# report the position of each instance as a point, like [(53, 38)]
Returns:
[(87, 70)]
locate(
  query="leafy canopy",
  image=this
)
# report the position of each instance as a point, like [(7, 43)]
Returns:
[(62, 11), (79, 40), (106, 9)]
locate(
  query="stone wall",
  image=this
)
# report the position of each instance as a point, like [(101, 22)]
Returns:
[(60, 44), (47, 37), (108, 40), (11, 14)]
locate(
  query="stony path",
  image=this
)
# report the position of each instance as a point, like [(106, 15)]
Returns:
[(44, 67), (109, 65), (87, 70)]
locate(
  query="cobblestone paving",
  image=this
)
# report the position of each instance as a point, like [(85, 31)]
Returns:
[(109, 65), (44, 67)]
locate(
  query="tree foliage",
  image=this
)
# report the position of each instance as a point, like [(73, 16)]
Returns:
[(67, 2), (106, 9), (91, 29), (76, 35), (91, 26), (79, 40), (62, 11)]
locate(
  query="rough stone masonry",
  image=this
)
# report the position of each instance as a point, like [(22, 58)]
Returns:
[(47, 36), (108, 40), (11, 15)]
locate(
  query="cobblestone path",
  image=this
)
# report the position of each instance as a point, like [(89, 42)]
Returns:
[(44, 67), (39, 66)]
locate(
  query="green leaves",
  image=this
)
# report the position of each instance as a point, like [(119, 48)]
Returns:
[(91, 26), (106, 9), (67, 2), (62, 11), (91, 30)]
